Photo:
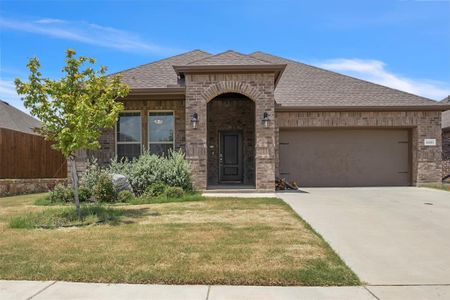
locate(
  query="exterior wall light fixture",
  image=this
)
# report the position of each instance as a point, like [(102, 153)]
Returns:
[(265, 120), (194, 120)]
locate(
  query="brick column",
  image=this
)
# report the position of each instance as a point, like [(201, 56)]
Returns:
[(265, 143), (429, 158), (196, 146)]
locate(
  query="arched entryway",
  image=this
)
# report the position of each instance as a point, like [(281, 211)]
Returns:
[(231, 140)]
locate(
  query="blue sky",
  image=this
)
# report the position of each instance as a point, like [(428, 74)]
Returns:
[(404, 44)]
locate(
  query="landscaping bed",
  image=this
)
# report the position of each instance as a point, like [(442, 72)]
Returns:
[(258, 241)]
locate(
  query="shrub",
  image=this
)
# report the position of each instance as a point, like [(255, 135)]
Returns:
[(61, 193), (176, 171), (125, 196), (84, 194), (155, 190), (172, 170), (174, 192), (91, 175), (103, 190)]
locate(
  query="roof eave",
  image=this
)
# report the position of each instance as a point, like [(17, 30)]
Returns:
[(364, 108), (228, 68), (275, 68), (158, 91)]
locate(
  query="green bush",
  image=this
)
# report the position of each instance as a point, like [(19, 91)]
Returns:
[(125, 196), (61, 193), (103, 190), (84, 194), (155, 190), (90, 177), (174, 192), (148, 169)]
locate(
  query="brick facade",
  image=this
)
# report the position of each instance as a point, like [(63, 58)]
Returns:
[(446, 152), (202, 88), (261, 155), (107, 139), (231, 112), (426, 160)]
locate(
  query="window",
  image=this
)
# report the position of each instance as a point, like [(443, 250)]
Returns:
[(129, 135), (160, 132)]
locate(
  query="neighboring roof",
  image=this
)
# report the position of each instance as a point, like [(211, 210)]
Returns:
[(446, 114), (12, 118), (307, 86), (300, 85), (229, 57), (159, 74)]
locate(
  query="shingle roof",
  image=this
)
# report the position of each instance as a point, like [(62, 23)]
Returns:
[(229, 57), (446, 114), (12, 118), (305, 85), (300, 85), (159, 74)]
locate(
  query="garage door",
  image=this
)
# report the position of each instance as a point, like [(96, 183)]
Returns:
[(345, 157)]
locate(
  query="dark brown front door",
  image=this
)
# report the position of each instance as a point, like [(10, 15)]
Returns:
[(230, 157)]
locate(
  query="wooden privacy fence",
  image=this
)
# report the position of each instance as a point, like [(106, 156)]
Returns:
[(25, 155)]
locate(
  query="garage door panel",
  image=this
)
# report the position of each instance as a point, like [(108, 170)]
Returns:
[(345, 157)]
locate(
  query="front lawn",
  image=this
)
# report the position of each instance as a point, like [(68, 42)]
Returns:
[(257, 241), (439, 186)]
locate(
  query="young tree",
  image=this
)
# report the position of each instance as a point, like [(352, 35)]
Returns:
[(75, 108)]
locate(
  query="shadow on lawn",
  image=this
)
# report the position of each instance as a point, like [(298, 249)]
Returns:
[(91, 215)]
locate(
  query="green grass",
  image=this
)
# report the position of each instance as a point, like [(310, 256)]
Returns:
[(189, 196), (67, 217), (164, 199), (258, 241), (439, 186)]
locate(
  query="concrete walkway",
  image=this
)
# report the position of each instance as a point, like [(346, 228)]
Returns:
[(387, 236), (57, 290)]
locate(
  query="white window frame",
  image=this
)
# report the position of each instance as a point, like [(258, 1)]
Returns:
[(148, 129), (140, 132)]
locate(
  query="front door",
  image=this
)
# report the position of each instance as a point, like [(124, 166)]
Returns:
[(230, 157)]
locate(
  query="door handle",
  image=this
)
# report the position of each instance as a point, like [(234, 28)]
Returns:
[(220, 158)]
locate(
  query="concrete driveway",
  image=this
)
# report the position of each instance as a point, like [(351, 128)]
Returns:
[(387, 236)]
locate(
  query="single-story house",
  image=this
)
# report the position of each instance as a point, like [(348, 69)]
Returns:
[(243, 119), (13, 119), (446, 140)]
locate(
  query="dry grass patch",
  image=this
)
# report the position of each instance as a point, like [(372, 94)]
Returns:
[(215, 241)]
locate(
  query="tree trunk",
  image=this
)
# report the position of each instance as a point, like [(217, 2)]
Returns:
[(73, 172)]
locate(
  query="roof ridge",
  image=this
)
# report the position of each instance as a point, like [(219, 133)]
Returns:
[(348, 76), (229, 51), (159, 60)]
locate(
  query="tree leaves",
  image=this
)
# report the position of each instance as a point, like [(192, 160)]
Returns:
[(74, 108)]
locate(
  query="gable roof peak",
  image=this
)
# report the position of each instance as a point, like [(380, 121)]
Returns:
[(229, 57)]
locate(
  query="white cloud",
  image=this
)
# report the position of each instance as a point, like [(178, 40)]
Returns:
[(87, 33), (50, 21), (8, 93), (375, 71)]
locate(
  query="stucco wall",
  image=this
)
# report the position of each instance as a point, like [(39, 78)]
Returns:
[(426, 160)]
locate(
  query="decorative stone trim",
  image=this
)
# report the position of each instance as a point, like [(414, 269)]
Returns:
[(10, 187), (223, 87)]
